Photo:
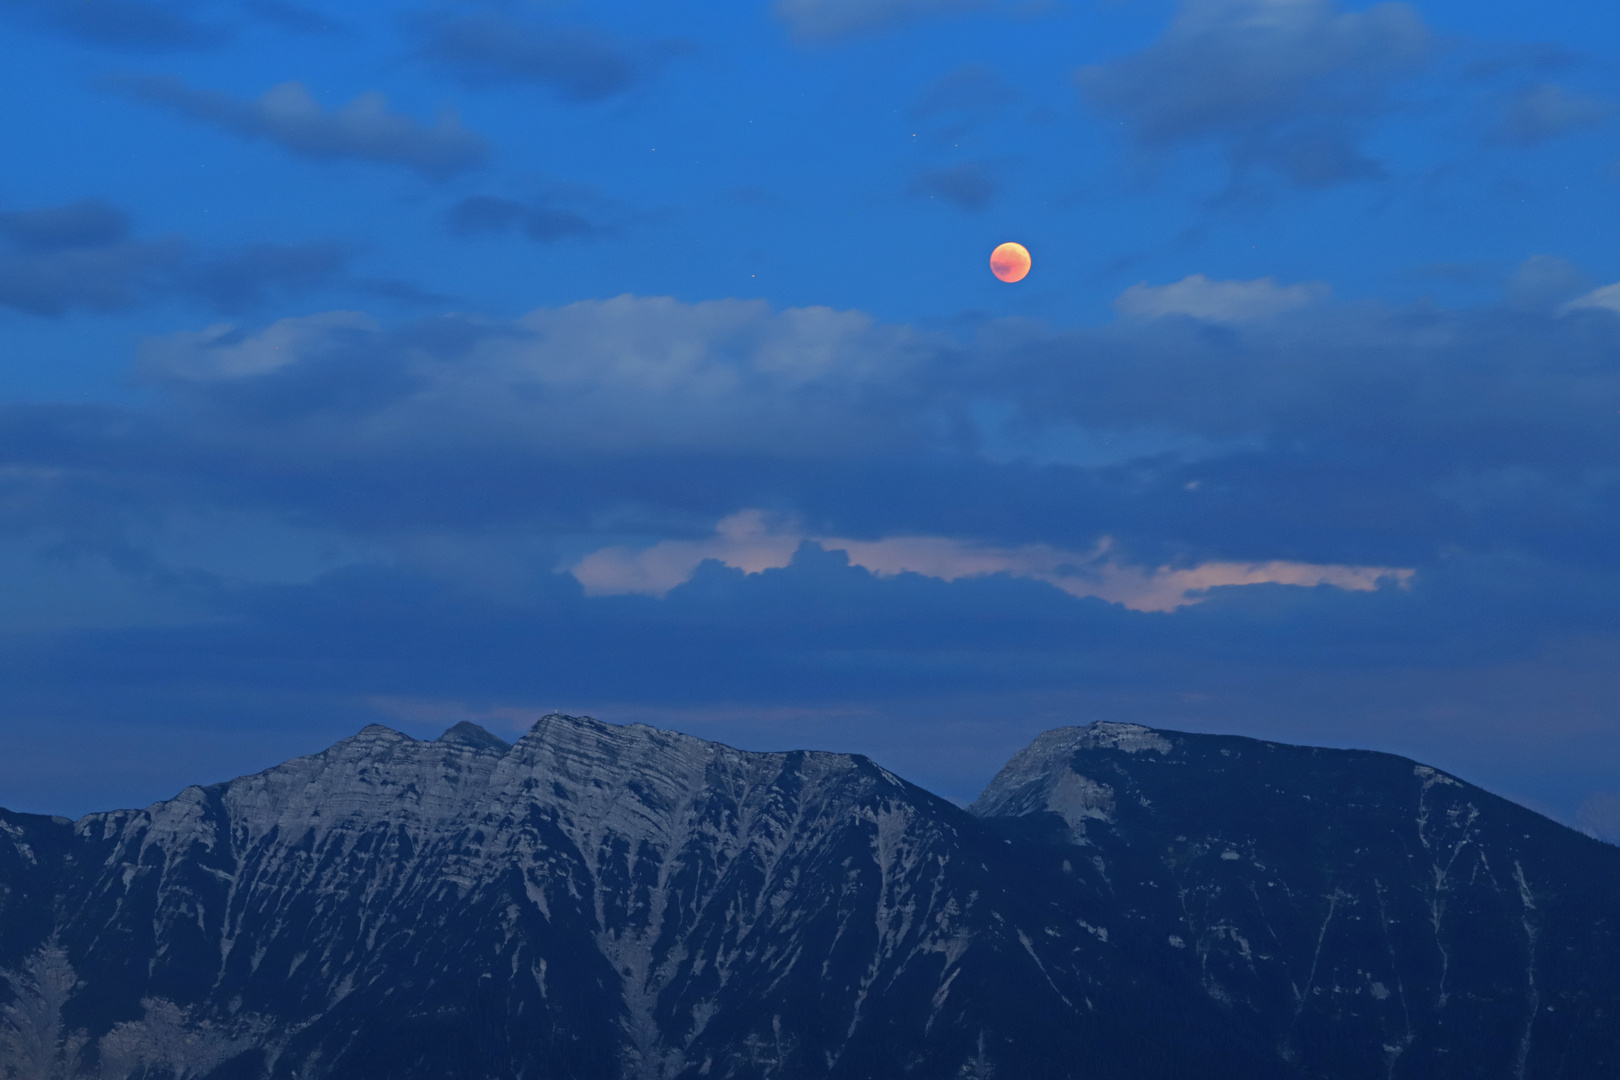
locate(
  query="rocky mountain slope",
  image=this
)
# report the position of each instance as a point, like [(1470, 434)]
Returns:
[(1364, 915), (622, 902)]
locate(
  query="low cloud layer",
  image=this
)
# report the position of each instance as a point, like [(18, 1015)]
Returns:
[(750, 541), (289, 116)]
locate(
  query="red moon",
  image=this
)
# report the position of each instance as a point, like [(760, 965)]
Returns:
[(1010, 262)]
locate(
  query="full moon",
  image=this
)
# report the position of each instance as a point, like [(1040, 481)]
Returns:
[(1010, 262)]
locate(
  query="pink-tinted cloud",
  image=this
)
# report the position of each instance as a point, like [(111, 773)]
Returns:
[(752, 541)]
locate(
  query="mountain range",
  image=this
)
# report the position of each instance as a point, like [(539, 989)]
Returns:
[(602, 902)]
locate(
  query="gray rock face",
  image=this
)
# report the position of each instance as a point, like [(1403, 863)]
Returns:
[(623, 902), (1364, 915)]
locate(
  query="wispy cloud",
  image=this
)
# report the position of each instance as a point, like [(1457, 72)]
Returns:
[(289, 116), (1285, 84), (1604, 298), (579, 63), (1218, 301), (225, 352)]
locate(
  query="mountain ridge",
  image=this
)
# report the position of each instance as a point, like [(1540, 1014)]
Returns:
[(619, 901)]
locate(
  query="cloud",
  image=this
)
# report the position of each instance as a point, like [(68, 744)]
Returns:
[(1397, 434), (1414, 413), (630, 373), (840, 18), (300, 517), (1541, 282), (750, 541), (78, 255), (1218, 301), (125, 24), (971, 88), (224, 352), (1544, 111), (247, 276), (1285, 84), (297, 518), (578, 63), (289, 116), (1605, 298), (86, 223), (295, 17), (967, 186), (540, 222)]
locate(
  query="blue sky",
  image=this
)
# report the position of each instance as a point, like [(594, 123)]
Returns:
[(423, 363)]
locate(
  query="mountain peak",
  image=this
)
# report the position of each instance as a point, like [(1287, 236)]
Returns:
[(1025, 783), (470, 735)]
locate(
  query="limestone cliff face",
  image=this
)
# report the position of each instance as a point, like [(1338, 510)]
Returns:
[(623, 902), (1364, 915)]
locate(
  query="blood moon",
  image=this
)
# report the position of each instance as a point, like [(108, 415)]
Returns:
[(1010, 262)]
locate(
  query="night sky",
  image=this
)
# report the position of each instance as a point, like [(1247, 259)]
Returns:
[(406, 363)]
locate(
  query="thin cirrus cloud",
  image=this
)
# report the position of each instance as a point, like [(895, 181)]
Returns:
[(1199, 297), (750, 541), (289, 116), (578, 63), (1282, 84)]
